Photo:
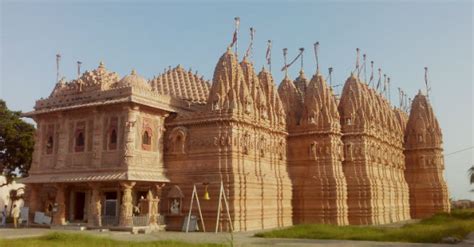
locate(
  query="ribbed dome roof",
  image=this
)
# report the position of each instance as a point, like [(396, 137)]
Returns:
[(134, 80), (182, 84)]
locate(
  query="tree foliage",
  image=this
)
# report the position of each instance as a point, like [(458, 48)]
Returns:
[(471, 174), (16, 143)]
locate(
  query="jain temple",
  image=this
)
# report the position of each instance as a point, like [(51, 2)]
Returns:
[(123, 152)]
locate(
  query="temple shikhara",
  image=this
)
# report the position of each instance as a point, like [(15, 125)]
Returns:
[(127, 152)]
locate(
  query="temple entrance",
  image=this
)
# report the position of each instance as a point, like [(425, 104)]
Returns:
[(79, 206)]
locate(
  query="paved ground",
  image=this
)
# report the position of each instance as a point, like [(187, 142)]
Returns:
[(240, 239)]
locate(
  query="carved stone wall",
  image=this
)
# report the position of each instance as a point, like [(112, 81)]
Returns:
[(315, 156), (373, 156)]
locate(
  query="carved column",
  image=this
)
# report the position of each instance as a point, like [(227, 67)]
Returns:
[(62, 141), (129, 135), (59, 217), (155, 205), (95, 207), (37, 146), (97, 138), (126, 207), (33, 200)]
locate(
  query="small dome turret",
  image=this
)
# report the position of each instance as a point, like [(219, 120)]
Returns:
[(134, 80)]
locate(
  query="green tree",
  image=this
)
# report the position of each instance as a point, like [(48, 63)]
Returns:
[(471, 174), (16, 143)]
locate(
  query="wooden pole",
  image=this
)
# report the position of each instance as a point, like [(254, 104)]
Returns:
[(200, 213), (190, 208), (219, 208)]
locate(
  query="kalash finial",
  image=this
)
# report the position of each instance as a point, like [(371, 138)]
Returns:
[(101, 65), (134, 72)]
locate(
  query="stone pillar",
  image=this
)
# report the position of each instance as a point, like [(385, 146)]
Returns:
[(129, 137), (33, 200), (126, 207), (62, 142), (94, 216), (59, 217), (98, 132), (155, 205)]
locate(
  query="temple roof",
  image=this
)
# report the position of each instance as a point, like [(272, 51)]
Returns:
[(229, 90), (363, 109), (178, 82), (422, 129), (291, 99), (133, 80), (320, 108), (301, 82)]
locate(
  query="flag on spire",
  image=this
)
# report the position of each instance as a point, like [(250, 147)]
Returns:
[(250, 48), (285, 53), (268, 54), (371, 71), (357, 62), (316, 49), (236, 31), (58, 59), (380, 80), (428, 89), (292, 61)]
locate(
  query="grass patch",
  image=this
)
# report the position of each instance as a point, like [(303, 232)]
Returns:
[(59, 239), (432, 230)]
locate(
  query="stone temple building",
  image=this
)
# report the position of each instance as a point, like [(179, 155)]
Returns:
[(126, 152)]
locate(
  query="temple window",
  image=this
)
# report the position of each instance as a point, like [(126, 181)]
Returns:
[(80, 141), (113, 140), (49, 145), (146, 140)]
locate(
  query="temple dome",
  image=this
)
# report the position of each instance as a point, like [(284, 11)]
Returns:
[(182, 84), (134, 80), (229, 90)]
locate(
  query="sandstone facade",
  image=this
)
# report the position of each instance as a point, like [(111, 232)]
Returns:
[(425, 161), (124, 152)]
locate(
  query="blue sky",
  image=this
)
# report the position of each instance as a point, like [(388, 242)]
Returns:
[(401, 37)]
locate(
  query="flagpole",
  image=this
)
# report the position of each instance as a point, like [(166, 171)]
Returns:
[(268, 55), (365, 68), (316, 49), (58, 58), (285, 52), (237, 24)]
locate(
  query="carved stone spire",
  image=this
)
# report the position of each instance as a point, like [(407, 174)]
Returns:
[(291, 99), (301, 82), (424, 161), (229, 90), (320, 108), (274, 103)]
